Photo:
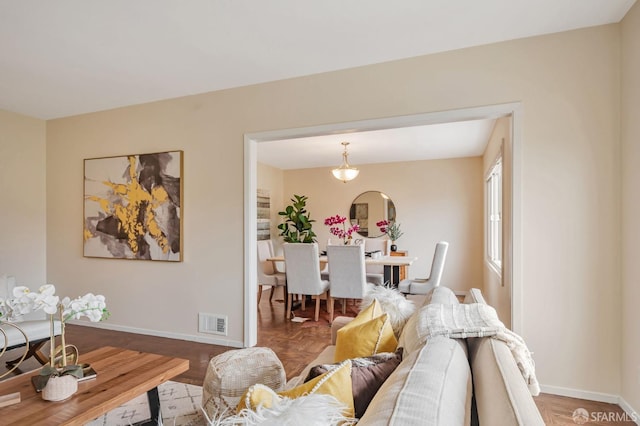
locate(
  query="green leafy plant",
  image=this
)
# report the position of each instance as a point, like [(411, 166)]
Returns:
[(297, 226)]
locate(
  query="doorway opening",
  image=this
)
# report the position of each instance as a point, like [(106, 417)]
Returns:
[(512, 268)]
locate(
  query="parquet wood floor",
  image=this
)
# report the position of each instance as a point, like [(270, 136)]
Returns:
[(296, 344)]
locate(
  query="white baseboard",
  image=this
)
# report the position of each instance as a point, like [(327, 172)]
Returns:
[(594, 396), (581, 394), (634, 414), (178, 336)]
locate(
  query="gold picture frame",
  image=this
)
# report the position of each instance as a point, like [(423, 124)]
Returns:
[(133, 207)]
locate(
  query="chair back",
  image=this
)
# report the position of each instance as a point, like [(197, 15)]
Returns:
[(302, 265), (265, 251), (347, 273), (437, 266), (373, 244)]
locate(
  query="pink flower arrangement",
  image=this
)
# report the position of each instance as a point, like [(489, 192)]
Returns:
[(342, 232), (392, 229), (383, 225)]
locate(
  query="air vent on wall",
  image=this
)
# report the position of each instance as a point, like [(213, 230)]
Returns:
[(213, 324)]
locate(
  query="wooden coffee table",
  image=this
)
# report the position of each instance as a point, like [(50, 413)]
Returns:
[(122, 375)]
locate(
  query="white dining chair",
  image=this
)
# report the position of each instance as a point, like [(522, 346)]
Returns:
[(347, 274), (424, 285), (303, 274), (375, 273), (383, 245), (267, 274)]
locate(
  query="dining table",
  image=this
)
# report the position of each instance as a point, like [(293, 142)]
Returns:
[(391, 265)]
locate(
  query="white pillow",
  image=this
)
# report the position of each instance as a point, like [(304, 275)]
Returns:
[(313, 410), (392, 302)]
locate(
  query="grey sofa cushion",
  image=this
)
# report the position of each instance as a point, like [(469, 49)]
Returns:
[(432, 386)]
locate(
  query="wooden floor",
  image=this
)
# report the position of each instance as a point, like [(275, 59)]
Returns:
[(296, 344)]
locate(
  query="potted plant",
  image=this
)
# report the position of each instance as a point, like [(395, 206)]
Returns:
[(297, 226), (57, 380), (392, 229)]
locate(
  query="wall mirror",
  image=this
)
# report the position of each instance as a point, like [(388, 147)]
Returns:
[(369, 208)]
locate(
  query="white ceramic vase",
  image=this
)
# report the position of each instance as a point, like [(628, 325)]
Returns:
[(59, 388)]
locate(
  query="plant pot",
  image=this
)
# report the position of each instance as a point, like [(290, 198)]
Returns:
[(59, 388), (394, 247)]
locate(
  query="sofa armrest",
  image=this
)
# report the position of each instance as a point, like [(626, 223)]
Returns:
[(474, 295), (501, 393), (336, 325)]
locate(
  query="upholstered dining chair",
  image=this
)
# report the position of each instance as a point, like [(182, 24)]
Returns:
[(267, 274), (423, 285), (375, 273), (377, 244), (303, 274), (347, 274)]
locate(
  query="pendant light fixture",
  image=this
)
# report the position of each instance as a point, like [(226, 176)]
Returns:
[(345, 172)]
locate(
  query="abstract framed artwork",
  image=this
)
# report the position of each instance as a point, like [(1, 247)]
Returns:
[(264, 214), (133, 207)]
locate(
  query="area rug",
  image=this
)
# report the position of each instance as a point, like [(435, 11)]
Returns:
[(179, 402)]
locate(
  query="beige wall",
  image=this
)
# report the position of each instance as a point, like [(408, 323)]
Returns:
[(497, 286), (435, 200), (631, 207), (22, 198), (569, 86)]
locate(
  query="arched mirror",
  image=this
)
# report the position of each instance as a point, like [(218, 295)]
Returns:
[(369, 208)]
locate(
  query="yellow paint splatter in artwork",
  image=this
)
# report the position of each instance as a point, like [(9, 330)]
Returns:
[(87, 234), (128, 213)]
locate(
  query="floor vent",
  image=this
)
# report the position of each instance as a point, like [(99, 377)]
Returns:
[(213, 324)]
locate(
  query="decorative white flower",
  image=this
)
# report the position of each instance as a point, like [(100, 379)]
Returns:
[(46, 299), (25, 301), (89, 305), (22, 302)]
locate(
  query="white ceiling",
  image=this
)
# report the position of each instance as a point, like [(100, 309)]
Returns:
[(67, 57), (448, 140)]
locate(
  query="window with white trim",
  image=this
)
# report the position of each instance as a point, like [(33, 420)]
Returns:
[(494, 214)]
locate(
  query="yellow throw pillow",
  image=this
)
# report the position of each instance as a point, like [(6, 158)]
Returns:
[(372, 311), (336, 382), (368, 334)]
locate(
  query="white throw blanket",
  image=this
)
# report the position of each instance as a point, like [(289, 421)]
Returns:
[(480, 320)]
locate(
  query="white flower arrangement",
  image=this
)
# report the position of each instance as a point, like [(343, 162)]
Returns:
[(25, 301)]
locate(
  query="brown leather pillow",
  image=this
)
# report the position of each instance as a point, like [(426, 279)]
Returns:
[(367, 375)]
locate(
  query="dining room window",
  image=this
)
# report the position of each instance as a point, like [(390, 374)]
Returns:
[(494, 215)]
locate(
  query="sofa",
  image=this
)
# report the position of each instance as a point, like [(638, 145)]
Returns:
[(439, 380)]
